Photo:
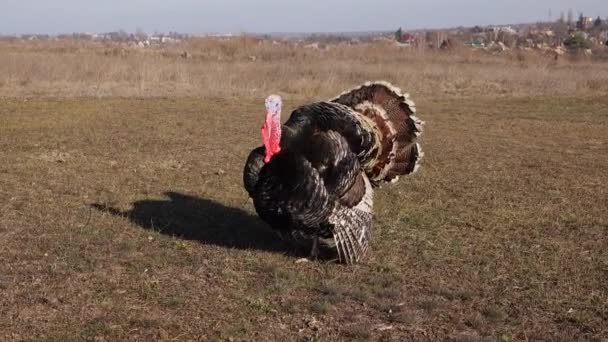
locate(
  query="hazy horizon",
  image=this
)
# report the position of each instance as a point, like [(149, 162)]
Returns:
[(267, 16)]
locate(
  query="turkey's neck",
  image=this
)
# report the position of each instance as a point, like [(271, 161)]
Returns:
[(271, 135)]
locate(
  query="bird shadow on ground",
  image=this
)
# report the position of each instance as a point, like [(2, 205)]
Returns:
[(202, 220)]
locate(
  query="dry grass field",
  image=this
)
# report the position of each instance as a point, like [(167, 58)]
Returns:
[(123, 217)]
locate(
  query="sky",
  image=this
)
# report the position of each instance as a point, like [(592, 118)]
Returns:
[(266, 16)]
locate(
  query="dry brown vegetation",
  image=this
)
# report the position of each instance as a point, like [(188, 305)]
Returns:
[(124, 218), (251, 68)]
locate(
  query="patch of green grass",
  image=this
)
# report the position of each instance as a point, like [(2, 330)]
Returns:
[(458, 294), (493, 313), (94, 328), (174, 302), (357, 332), (428, 305), (320, 308), (259, 305)]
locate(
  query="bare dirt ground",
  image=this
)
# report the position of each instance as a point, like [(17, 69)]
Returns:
[(125, 219)]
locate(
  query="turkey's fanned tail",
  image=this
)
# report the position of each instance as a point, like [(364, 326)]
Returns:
[(352, 227), (384, 110)]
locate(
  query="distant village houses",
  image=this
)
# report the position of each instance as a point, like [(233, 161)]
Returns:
[(587, 33)]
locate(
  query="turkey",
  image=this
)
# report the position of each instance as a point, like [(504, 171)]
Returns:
[(314, 177)]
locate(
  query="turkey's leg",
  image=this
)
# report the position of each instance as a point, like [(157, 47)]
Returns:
[(314, 252)]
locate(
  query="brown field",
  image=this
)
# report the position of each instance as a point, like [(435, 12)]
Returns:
[(123, 217)]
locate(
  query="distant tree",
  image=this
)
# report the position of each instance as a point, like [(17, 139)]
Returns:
[(561, 31), (577, 41), (598, 22), (399, 35), (429, 37), (140, 34), (510, 40), (580, 24), (122, 35)]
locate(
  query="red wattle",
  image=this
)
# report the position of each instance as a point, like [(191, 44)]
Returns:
[(271, 136)]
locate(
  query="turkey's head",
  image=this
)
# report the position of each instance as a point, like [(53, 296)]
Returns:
[(271, 131)]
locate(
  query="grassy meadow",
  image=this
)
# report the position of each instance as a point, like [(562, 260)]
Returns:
[(123, 216)]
